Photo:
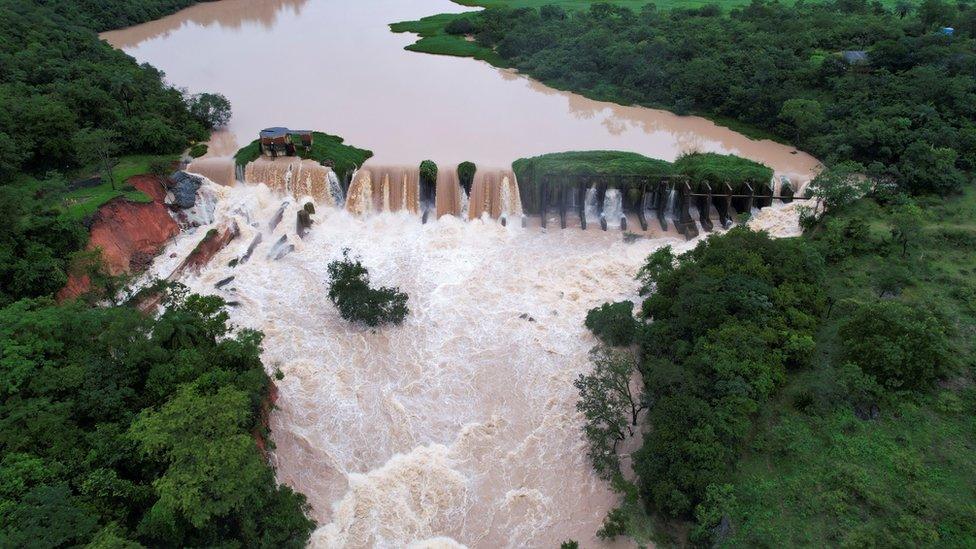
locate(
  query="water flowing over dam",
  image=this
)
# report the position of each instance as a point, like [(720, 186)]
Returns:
[(460, 423), (458, 426)]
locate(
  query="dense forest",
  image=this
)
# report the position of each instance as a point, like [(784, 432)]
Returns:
[(62, 89), (845, 80), (117, 429)]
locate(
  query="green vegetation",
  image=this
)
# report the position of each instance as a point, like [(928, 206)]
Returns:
[(59, 82), (778, 68), (434, 38), (83, 202), (198, 150), (120, 428), (357, 301), (571, 168), (716, 169), (613, 323), (428, 172), (465, 172), (812, 391), (328, 150), (117, 429), (36, 241)]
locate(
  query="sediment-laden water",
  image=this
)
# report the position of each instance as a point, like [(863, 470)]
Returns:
[(459, 424), (334, 65)]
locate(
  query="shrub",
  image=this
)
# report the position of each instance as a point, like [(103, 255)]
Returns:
[(465, 173), (357, 301), (613, 323), (460, 26), (428, 172), (198, 150), (902, 346)]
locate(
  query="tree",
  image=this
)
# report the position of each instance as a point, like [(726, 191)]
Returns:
[(213, 110), (837, 187), (907, 221), (428, 172), (606, 400), (613, 323), (902, 346), (98, 147), (805, 115), (465, 172), (357, 301)]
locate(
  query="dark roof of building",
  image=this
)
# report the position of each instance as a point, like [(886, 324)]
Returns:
[(279, 131)]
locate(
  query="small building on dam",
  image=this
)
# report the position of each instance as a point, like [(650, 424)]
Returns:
[(279, 141)]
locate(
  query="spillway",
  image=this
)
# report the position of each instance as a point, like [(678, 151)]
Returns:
[(458, 425)]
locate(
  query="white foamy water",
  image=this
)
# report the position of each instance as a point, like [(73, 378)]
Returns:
[(457, 427)]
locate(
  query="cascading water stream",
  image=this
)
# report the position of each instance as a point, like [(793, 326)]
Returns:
[(591, 208), (613, 207)]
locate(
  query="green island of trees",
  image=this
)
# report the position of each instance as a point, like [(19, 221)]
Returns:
[(357, 301), (329, 150)]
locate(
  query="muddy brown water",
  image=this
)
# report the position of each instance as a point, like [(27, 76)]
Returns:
[(333, 65)]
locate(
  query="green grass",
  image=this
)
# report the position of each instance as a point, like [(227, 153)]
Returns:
[(569, 168), (635, 5), (816, 475), (716, 169), (325, 149), (434, 40), (83, 202)]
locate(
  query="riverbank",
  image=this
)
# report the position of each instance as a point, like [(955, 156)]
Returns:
[(435, 40)]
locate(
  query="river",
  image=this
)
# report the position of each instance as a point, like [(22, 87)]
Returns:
[(458, 427), (334, 65)]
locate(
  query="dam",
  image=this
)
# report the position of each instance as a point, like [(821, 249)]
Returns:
[(457, 428)]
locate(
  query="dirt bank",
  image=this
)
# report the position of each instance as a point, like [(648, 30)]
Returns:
[(129, 234)]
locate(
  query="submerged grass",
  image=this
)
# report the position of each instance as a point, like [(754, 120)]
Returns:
[(326, 149)]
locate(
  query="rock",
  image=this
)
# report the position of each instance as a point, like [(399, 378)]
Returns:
[(250, 249), (224, 282), (867, 412), (277, 217), (303, 224), (214, 241), (281, 248), (183, 188)]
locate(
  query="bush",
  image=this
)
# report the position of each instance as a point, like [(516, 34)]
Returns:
[(460, 26), (902, 346), (465, 173), (198, 150), (428, 172), (358, 301), (613, 323)]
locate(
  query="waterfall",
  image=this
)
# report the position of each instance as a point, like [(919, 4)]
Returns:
[(218, 170), (672, 204), (360, 198), (335, 190), (613, 207), (591, 209)]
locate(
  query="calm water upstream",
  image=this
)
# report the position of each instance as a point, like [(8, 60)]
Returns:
[(334, 65)]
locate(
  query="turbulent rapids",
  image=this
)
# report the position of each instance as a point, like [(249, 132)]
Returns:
[(457, 427)]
